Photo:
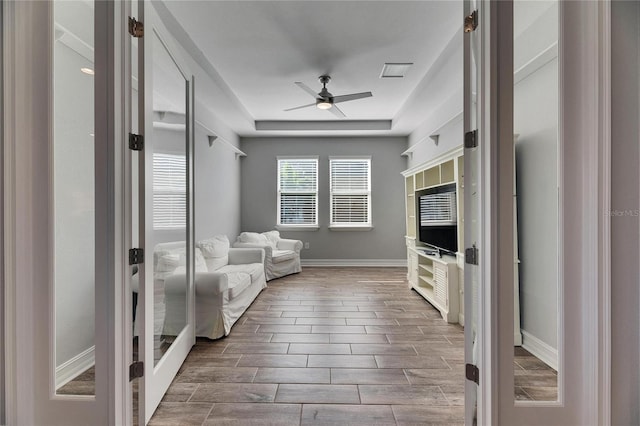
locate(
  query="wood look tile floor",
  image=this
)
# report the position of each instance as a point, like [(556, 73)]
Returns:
[(328, 346), (331, 346)]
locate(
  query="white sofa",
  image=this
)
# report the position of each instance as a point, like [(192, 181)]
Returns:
[(282, 255), (227, 280)]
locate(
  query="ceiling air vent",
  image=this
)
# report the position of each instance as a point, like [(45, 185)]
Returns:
[(395, 69)]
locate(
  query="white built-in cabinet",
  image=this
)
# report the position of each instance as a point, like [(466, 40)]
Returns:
[(437, 279)]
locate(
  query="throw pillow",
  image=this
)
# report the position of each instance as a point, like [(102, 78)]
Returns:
[(167, 262), (253, 238), (272, 238), (201, 265), (215, 251)]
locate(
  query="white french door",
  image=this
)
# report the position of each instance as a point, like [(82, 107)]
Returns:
[(65, 275), (165, 204), (583, 386)]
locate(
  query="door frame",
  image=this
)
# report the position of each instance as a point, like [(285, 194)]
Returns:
[(584, 129), (27, 64)]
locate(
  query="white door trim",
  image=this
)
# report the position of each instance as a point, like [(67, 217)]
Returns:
[(20, 112), (14, 323)]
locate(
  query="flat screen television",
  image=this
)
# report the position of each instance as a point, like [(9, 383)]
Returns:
[(437, 218)]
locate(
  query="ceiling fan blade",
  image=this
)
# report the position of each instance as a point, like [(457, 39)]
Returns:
[(306, 89), (337, 111), (300, 107), (351, 97)]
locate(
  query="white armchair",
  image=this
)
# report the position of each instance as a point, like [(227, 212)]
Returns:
[(282, 255)]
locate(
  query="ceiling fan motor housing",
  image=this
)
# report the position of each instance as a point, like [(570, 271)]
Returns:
[(324, 94), (324, 79)]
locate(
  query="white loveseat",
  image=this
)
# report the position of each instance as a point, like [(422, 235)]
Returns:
[(227, 280), (282, 255)]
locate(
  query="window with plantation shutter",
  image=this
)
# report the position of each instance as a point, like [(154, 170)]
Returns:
[(350, 187), (298, 192), (169, 191)]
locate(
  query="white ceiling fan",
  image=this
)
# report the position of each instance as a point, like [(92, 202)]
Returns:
[(325, 100)]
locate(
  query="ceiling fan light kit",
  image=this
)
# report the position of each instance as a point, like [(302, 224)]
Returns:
[(323, 104), (325, 100)]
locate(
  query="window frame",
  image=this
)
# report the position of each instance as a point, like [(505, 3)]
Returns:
[(296, 226), (350, 226)]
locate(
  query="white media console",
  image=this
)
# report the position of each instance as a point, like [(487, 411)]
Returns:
[(436, 279)]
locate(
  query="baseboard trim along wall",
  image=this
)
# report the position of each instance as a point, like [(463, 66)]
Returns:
[(400, 263), (75, 366), (541, 350)]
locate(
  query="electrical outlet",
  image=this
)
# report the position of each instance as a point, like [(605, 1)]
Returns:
[(306, 245)]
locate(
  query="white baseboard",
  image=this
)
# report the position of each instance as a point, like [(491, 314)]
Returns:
[(355, 262), (75, 366), (541, 350), (517, 338)]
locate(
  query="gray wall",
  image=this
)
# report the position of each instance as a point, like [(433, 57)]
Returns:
[(535, 120), (259, 194), (444, 115), (536, 123), (74, 204), (217, 188), (451, 136), (625, 201)]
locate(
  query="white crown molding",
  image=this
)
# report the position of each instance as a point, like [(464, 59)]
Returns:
[(75, 43), (540, 60), (324, 125)]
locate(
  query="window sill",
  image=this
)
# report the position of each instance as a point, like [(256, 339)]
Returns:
[(350, 228), (297, 227)]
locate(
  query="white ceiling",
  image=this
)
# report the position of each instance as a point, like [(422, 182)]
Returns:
[(260, 48)]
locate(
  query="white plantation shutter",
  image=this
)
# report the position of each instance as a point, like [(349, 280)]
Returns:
[(169, 191), (350, 186), (298, 191)]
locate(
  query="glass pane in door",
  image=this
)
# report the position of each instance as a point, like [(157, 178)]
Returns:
[(167, 232), (74, 196), (165, 175), (536, 207)]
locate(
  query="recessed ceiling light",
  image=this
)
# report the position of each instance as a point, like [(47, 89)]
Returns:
[(395, 69), (88, 71)]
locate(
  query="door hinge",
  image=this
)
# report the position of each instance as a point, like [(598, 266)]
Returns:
[(472, 373), (471, 255), (471, 139), (136, 256), (136, 142), (136, 28), (471, 22), (136, 370)]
